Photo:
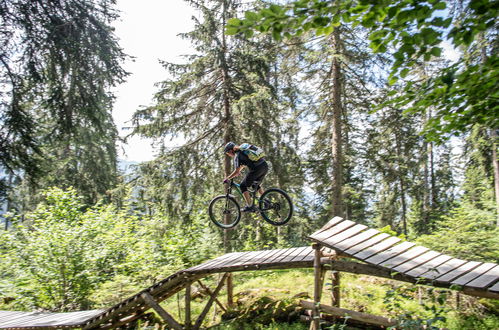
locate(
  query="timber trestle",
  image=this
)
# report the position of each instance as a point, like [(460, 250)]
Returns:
[(380, 255)]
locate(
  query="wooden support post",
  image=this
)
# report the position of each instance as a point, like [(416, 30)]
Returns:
[(318, 282), (335, 288), (211, 293), (230, 291), (164, 314), (188, 306), (201, 317)]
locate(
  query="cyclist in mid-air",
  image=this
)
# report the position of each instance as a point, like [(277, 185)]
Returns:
[(251, 157)]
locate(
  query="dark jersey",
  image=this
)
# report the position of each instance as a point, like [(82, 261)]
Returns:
[(242, 159)]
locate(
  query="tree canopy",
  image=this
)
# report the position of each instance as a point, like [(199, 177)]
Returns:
[(462, 94)]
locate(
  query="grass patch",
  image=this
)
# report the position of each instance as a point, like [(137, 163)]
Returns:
[(270, 300)]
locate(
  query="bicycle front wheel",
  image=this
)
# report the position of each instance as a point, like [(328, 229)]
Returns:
[(224, 211), (276, 206)]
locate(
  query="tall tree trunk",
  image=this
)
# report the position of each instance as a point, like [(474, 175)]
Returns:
[(336, 145), (495, 164), (228, 134), (401, 176)]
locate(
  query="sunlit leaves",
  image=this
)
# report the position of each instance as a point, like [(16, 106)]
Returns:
[(412, 31)]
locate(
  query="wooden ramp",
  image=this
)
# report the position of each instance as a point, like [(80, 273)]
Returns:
[(135, 306), (379, 255), (408, 260), (42, 320)]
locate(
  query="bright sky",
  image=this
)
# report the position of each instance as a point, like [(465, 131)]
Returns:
[(148, 31)]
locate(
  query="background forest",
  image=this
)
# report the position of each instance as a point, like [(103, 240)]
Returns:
[(360, 113)]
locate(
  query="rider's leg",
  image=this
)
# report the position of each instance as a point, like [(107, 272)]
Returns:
[(247, 197)]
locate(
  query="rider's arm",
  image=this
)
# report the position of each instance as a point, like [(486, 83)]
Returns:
[(235, 173)]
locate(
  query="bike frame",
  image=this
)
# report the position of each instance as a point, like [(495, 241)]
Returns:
[(238, 189)]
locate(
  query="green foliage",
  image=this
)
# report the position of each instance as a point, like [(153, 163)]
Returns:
[(63, 256), (467, 232), (463, 94), (433, 310)]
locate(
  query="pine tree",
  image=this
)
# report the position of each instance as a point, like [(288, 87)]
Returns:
[(59, 60), (230, 90), (346, 64)]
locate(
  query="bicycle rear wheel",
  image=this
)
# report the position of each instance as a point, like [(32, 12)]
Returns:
[(276, 206), (224, 211)]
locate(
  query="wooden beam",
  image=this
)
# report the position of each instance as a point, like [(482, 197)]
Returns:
[(366, 269), (318, 283), (335, 288), (126, 320), (164, 314), (201, 317), (230, 291), (207, 289), (342, 312), (188, 306)]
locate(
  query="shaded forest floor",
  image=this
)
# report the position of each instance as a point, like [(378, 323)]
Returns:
[(270, 300)]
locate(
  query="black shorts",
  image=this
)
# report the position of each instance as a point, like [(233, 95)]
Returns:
[(256, 174)]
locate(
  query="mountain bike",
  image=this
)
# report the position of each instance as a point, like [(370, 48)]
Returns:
[(275, 206)]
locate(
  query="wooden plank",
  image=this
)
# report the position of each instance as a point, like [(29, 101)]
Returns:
[(295, 253), (164, 314), (223, 262), (245, 258), (367, 243), (338, 228), (212, 261), (304, 254), (444, 268), (427, 266), (346, 234), (270, 256), (476, 272), (226, 258), (415, 262), (44, 319), (377, 248), (390, 253), (495, 287), (358, 316), (485, 279), (271, 259), (258, 258), (264, 256), (331, 223), (282, 255), (291, 253), (460, 271), (354, 240), (372, 270), (404, 257)]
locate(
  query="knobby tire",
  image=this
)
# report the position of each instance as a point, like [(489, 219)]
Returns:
[(280, 210), (224, 205)]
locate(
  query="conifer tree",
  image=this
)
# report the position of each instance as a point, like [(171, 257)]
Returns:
[(229, 90), (342, 72), (58, 62)]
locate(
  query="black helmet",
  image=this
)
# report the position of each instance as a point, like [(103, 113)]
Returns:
[(229, 146)]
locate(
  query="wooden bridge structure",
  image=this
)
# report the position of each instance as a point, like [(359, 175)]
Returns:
[(340, 246)]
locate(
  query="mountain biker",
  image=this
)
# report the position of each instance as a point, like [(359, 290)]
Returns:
[(257, 171)]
